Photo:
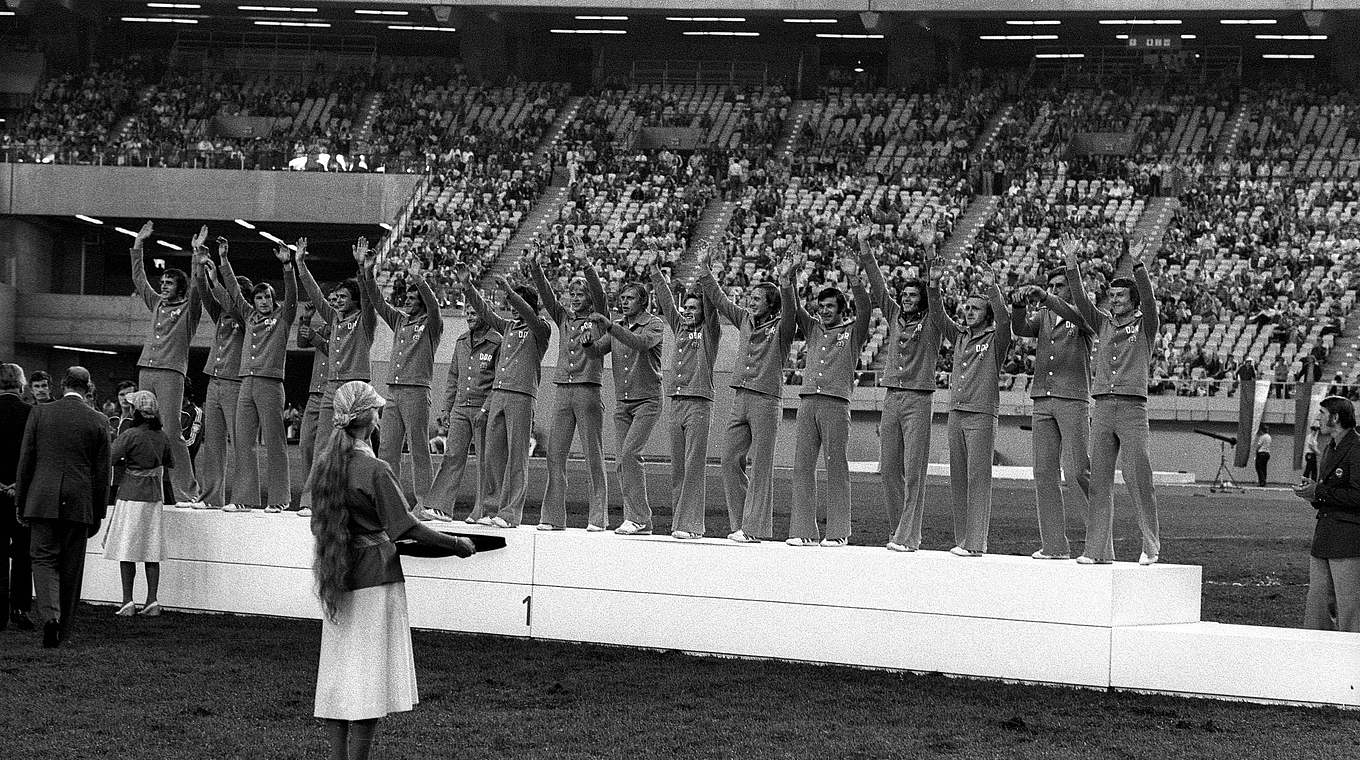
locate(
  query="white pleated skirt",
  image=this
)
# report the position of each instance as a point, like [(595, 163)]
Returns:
[(367, 669), (134, 533)]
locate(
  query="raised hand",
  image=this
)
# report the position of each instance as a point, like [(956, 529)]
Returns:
[(360, 249), (200, 238), (850, 267), (144, 234), (502, 281), (283, 254), (1070, 245), (926, 237), (461, 274), (222, 247)]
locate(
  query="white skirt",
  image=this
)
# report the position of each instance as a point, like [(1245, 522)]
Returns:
[(134, 533), (367, 669)]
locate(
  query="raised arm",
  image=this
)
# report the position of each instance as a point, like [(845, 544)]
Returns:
[(665, 299), (595, 288), (878, 287), (546, 296), (290, 288), (478, 303), (536, 323), (434, 320), (139, 282), (1001, 314), (236, 300), (314, 294), (1081, 300), (935, 302), (1023, 323), (206, 276), (1147, 302), (368, 283), (649, 338), (709, 286), (864, 309)]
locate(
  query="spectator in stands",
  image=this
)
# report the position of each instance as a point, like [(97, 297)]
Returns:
[(1333, 602)]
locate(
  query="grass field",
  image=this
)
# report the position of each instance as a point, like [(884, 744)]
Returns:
[(224, 686)]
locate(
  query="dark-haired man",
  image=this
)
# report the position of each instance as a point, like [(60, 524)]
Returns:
[(164, 363), (1334, 560), (40, 387), (1061, 394), (913, 349), (61, 487), (351, 319), (697, 332), (833, 341), (471, 373), (417, 328), (223, 369), (767, 327), (1126, 335), (510, 407)]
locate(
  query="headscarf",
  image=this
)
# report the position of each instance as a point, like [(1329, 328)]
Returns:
[(353, 399)]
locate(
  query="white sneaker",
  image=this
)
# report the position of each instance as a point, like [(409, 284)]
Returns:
[(1040, 555), (896, 547), (685, 535), (1144, 559), (549, 526), (959, 551), (236, 508), (202, 505), (486, 520), (801, 542), (595, 528), (190, 505), (1085, 560), (499, 523), (630, 528), (470, 520), (304, 512), (833, 542), (432, 515), (740, 537)]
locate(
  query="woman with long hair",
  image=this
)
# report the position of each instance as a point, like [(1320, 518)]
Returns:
[(140, 455), (367, 669)]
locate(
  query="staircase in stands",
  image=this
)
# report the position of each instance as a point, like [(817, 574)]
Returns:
[(968, 226)]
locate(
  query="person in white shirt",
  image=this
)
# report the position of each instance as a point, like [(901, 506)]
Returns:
[(1262, 448)]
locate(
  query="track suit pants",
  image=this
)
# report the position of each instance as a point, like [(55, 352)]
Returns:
[(690, 420), (904, 437), (168, 386), (633, 424), (307, 436), (823, 425), (972, 440), (259, 413), (751, 435), (509, 421), (577, 408), (1060, 424), (467, 425), (215, 464), (1333, 595), (1119, 425), (407, 420)]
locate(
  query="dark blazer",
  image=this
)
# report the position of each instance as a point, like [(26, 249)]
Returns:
[(13, 417), (1337, 500), (64, 464)]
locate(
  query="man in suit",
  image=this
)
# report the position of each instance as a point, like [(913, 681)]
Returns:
[(62, 490), (16, 571), (1334, 565)]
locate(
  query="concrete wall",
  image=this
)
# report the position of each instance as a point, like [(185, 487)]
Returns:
[(127, 191)]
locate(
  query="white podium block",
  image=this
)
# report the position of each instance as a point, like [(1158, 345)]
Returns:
[(484, 594), (1239, 661), (994, 586)]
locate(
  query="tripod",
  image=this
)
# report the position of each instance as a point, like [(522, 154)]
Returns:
[(1223, 479)]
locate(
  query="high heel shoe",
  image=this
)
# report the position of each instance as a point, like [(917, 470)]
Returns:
[(151, 610), (127, 610)]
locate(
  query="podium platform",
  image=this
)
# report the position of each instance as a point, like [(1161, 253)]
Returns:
[(997, 616)]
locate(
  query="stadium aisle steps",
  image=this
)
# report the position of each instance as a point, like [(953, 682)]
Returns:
[(712, 225), (1227, 140), (966, 231), (565, 116), (369, 113), (1156, 216), (798, 113), (540, 220), (990, 131)]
